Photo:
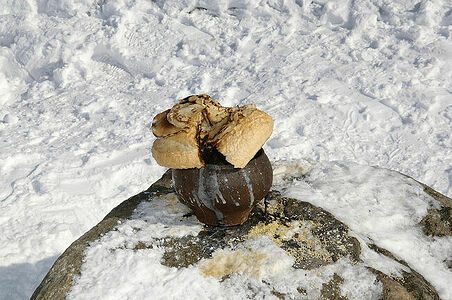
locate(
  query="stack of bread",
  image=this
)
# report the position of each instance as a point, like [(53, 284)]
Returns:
[(198, 124)]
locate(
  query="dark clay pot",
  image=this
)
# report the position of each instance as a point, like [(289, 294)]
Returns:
[(219, 194)]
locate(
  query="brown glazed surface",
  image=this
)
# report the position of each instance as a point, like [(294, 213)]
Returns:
[(220, 194)]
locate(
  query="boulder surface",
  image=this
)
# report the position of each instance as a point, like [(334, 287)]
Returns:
[(288, 249)]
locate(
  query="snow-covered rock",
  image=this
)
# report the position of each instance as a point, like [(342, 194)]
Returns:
[(308, 239)]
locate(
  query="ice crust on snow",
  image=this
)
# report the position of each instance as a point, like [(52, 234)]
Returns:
[(80, 81)]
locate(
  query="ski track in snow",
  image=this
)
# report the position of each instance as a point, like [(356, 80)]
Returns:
[(80, 81)]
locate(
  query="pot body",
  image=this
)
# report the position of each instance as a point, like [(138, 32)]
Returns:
[(219, 194)]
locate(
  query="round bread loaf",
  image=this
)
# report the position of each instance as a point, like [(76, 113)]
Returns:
[(178, 151), (245, 137)]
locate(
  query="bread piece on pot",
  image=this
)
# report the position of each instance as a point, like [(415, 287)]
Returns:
[(178, 151), (244, 137)]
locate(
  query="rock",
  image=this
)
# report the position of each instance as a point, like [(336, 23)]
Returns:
[(438, 222), (287, 249), (411, 285), (331, 289), (325, 240)]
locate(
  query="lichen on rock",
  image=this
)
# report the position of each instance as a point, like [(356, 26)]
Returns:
[(296, 237)]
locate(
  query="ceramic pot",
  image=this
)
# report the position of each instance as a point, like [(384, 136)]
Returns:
[(220, 194)]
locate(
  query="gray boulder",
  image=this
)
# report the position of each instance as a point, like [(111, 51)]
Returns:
[(314, 241)]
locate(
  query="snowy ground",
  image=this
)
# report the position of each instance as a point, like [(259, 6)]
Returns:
[(364, 80)]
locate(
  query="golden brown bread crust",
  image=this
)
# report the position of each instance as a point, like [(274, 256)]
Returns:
[(197, 123), (178, 151), (184, 115), (247, 136), (161, 127)]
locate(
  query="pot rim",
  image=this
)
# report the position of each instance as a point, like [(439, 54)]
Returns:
[(226, 165)]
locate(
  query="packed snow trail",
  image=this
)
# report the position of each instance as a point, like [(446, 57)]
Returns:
[(80, 81)]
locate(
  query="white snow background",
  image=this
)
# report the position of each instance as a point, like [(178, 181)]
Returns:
[(368, 81)]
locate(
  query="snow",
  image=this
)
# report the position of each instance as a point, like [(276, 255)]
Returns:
[(367, 81)]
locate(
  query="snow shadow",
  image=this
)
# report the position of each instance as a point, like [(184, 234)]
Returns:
[(18, 281)]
